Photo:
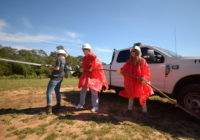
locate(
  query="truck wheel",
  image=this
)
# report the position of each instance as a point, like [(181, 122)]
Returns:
[(189, 97)]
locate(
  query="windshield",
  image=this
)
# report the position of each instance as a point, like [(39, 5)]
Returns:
[(168, 52)]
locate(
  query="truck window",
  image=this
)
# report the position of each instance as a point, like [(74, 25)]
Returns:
[(123, 56), (151, 56)]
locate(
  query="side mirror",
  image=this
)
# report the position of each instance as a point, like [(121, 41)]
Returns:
[(150, 57)]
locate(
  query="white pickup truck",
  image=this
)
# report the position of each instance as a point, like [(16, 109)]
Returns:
[(175, 75)]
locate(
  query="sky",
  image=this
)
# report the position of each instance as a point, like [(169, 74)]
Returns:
[(104, 24)]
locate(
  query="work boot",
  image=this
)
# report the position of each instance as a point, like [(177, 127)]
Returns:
[(57, 106), (48, 110)]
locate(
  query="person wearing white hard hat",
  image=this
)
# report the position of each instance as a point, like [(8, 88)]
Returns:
[(91, 78), (134, 88), (86, 46), (58, 72)]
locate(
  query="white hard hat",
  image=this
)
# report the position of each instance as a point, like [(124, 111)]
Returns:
[(136, 48), (86, 46), (61, 52)]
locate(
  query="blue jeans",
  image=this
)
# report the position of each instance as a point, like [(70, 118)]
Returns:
[(94, 97), (53, 85)]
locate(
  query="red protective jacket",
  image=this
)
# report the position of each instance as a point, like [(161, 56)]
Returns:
[(134, 88), (96, 78)]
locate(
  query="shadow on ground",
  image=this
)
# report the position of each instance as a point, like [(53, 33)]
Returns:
[(162, 116)]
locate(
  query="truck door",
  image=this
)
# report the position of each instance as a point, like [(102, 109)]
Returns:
[(120, 59), (157, 66)]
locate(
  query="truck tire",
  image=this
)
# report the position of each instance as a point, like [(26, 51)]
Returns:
[(189, 97)]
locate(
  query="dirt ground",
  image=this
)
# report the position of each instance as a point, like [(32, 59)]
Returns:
[(22, 117)]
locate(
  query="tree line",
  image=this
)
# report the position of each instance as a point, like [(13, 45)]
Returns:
[(14, 70)]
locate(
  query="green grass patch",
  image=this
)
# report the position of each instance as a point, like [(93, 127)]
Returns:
[(61, 121), (66, 121), (131, 129), (42, 117), (93, 124), (100, 132), (121, 137), (12, 128), (52, 136), (69, 122), (11, 84), (24, 131), (6, 121), (70, 135), (14, 115), (40, 130), (26, 120)]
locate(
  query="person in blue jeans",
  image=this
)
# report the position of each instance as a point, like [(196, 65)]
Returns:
[(57, 75)]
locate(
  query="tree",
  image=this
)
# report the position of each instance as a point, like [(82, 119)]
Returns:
[(36, 56)]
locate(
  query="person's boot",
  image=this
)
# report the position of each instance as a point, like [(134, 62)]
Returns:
[(58, 106), (78, 107), (48, 110)]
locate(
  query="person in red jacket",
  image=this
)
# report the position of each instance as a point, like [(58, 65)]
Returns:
[(91, 78), (135, 88)]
